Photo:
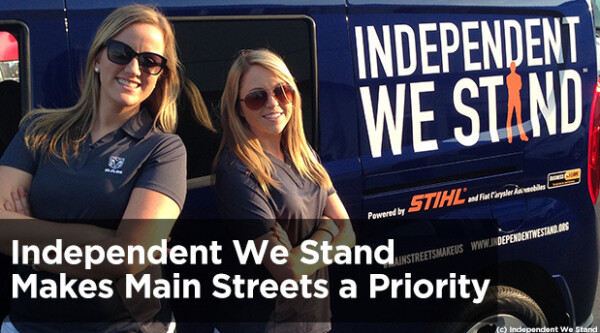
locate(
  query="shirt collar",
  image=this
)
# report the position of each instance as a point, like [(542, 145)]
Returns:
[(139, 125)]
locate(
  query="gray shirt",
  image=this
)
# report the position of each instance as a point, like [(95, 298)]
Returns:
[(297, 204), (97, 184), (94, 188)]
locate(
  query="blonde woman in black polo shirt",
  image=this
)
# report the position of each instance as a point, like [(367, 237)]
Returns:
[(110, 164), (272, 184)]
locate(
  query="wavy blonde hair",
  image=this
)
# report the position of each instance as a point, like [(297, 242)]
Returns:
[(239, 138), (58, 132)]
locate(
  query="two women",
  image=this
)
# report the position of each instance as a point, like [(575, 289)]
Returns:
[(108, 160), (109, 166), (271, 186)]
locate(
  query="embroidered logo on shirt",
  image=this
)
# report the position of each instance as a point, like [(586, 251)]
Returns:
[(114, 164)]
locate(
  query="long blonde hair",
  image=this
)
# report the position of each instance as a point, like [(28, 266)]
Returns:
[(60, 132), (192, 101), (239, 139)]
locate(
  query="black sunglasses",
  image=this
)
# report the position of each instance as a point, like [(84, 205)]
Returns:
[(283, 93), (122, 54)]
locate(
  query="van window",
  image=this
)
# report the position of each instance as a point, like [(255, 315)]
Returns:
[(596, 11), (9, 57), (207, 48), (12, 38)]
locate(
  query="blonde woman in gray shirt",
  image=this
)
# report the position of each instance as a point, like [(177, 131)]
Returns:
[(272, 183)]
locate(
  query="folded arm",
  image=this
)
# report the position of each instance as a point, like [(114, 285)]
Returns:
[(335, 228), (149, 218), (30, 231)]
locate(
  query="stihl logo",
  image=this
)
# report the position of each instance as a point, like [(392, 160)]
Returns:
[(435, 200)]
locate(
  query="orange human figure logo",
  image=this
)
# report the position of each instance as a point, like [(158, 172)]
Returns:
[(513, 83)]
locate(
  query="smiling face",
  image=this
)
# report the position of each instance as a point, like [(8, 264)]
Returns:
[(269, 121), (125, 87)]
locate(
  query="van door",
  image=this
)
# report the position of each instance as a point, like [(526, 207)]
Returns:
[(40, 38), (470, 111), (43, 51), (34, 71), (434, 93)]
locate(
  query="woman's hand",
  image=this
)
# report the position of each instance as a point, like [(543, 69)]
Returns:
[(282, 236), (20, 202), (329, 226), (336, 211)]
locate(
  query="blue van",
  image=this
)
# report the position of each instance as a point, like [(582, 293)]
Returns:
[(466, 131)]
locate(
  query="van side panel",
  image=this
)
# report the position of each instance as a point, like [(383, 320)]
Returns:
[(447, 132), (44, 79)]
